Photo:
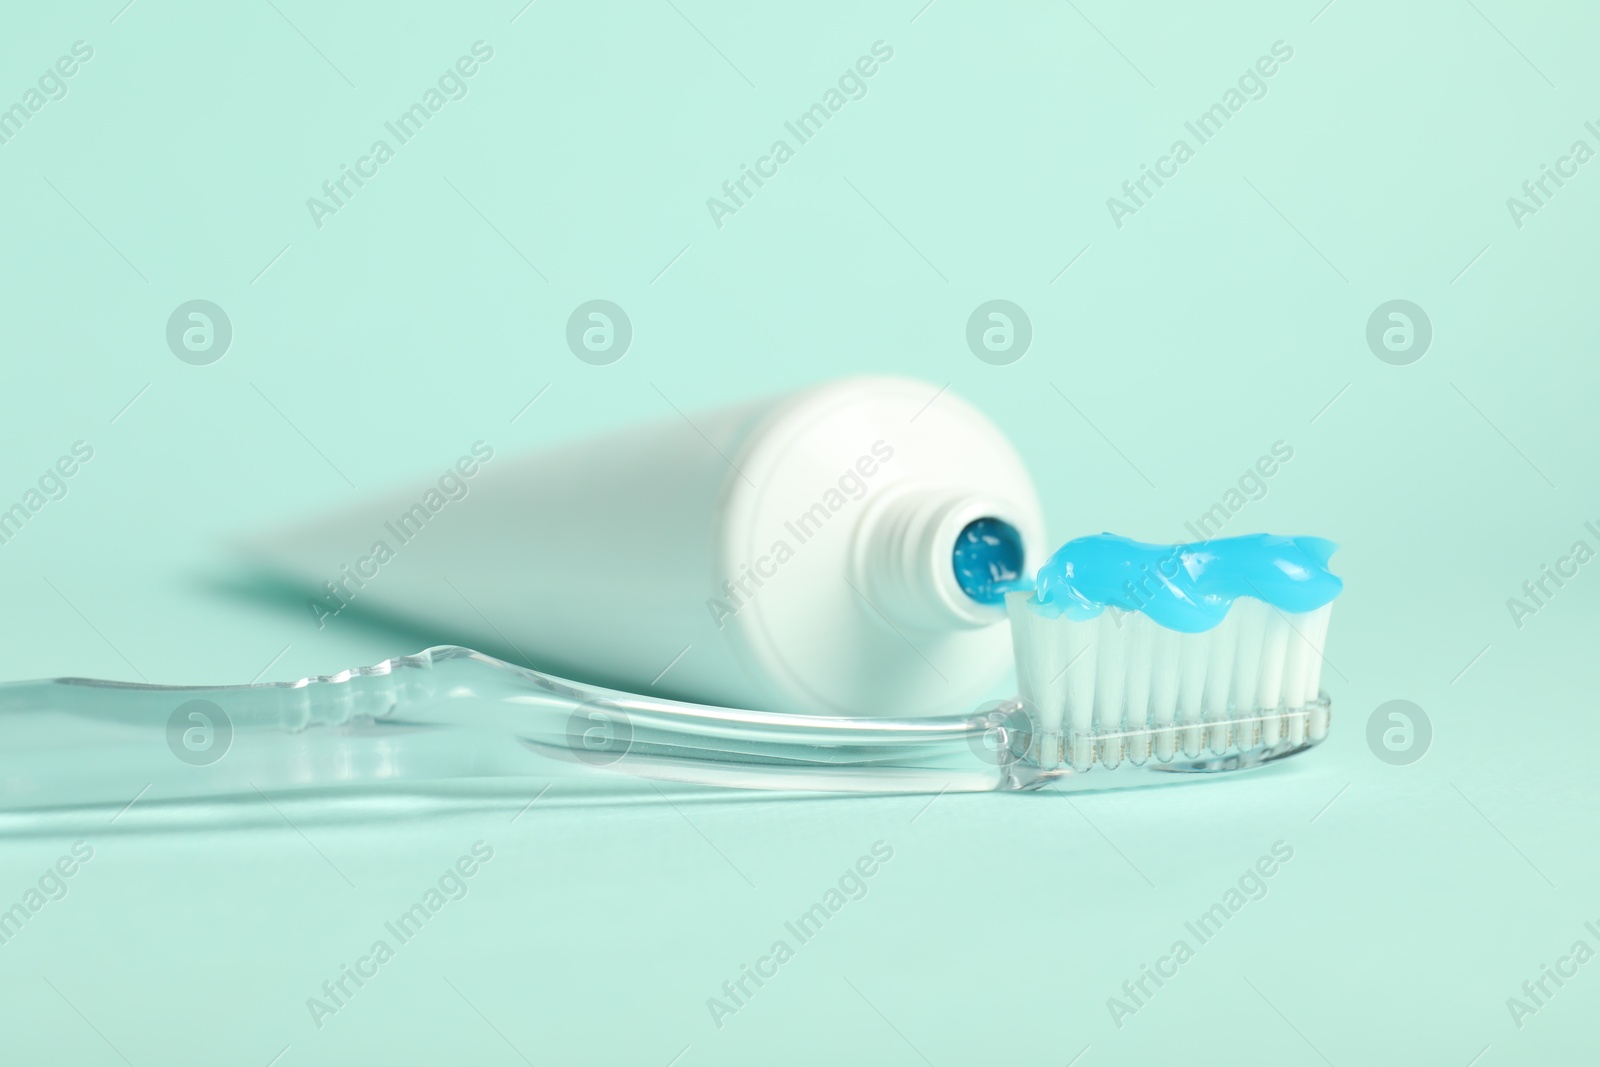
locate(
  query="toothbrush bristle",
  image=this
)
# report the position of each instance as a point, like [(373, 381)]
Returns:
[(1121, 687)]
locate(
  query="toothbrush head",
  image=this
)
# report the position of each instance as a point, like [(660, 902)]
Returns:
[(1191, 657)]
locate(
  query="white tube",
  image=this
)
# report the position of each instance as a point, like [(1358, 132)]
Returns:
[(797, 552)]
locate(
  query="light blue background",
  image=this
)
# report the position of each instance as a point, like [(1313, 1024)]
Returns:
[(1228, 314)]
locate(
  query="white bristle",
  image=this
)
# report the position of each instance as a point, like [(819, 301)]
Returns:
[(1219, 680), (1194, 653), (1250, 616), (1136, 713), (1120, 687), (1274, 644), (1296, 663), (1164, 688), (1111, 676), (1318, 635), (1316, 638), (1079, 679)]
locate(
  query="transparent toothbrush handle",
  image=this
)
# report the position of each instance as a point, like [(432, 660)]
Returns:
[(451, 713)]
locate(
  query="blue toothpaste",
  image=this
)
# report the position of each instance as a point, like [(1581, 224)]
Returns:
[(1189, 587), (988, 561)]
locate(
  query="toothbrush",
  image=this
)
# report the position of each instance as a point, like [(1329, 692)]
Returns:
[(1116, 689), (1172, 654)]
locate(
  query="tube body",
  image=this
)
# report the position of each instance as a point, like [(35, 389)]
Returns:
[(789, 554)]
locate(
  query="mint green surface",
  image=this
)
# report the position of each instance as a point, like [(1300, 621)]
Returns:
[(1227, 313)]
